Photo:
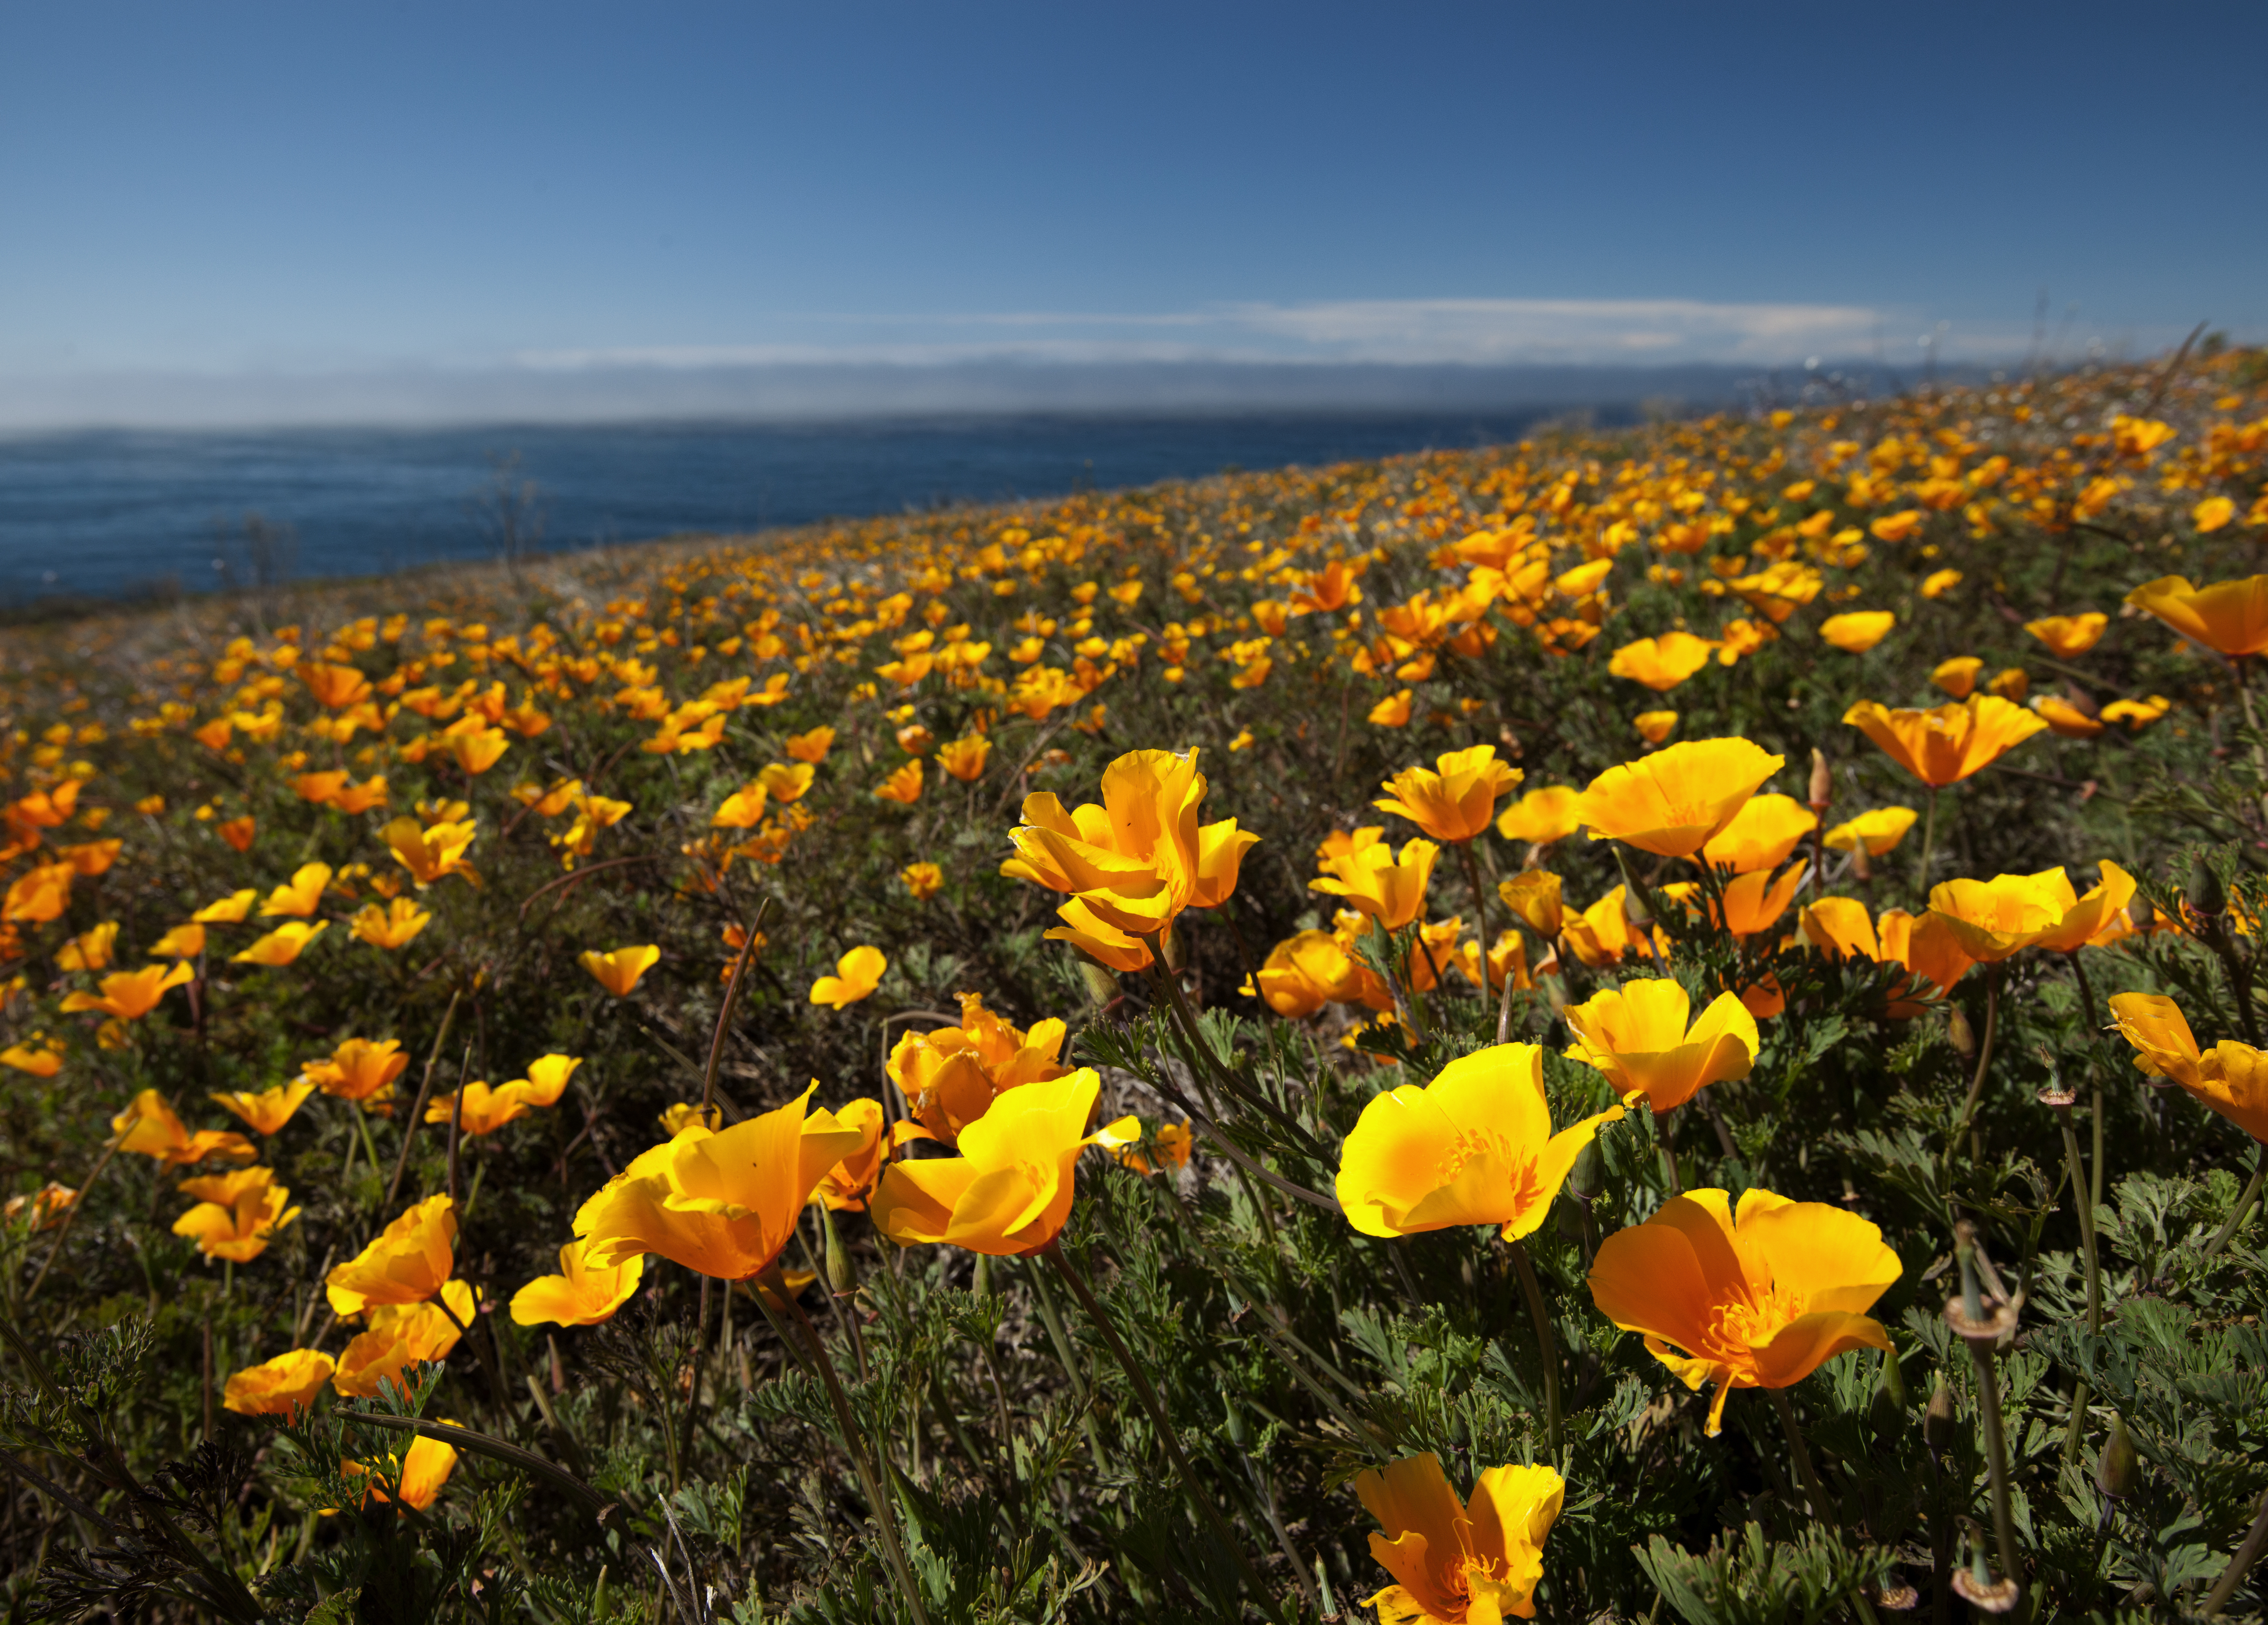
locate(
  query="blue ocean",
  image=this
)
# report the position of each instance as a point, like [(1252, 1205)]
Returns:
[(130, 512)]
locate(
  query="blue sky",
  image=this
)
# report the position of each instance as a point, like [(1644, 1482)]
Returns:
[(226, 186)]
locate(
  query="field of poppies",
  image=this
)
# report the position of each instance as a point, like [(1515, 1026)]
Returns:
[(1663, 1025)]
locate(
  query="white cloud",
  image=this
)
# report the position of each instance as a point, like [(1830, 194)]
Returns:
[(1429, 332)]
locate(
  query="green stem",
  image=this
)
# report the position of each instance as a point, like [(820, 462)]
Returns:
[(418, 1108), (885, 1517), (1143, 1390), (2081, 1193), (1928, 842), (1547, 1345), (1480, 907), (1996, 1455), (2244, 1200), (1984, 1059), (1823, 1510), (71, 1213), (2255, 1541)]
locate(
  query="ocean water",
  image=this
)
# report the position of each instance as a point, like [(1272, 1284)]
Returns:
[(112, 513)]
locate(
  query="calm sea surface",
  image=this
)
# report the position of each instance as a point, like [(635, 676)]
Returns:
[(116, 512)]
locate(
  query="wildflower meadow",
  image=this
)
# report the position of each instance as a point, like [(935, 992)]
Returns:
[(1663, 1024)]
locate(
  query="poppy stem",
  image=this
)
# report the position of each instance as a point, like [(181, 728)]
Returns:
[(1148, 1395), (1928, 841), (2255, 1540), (1480, 907), (1984, 1059), (1547, 1345), (724, 1011), (62, 1231), (417, 1110), (2237, 1214), (885, 1515), (1821, 1509)]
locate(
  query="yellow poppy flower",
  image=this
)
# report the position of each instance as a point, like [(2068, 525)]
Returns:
[(265, 1111), (359, 1068), (2231, 1078), (389, 928), (1637, 1035), (236, 1213), (1858, 631), (1761, 835), (1673, 802), (280, 947), (1472, 1147), (1542, 815), (581, 1294), (811, 747), (857, 974), (949, 1077), (300, 896), (965, 759), (406, 1263), (846, 1186), (181, 942), (1389, 892), (2069, 636), (1009, 1192), (1881, 830), (904, 785), (1661, 663), (418, 1473), (721, 1204)]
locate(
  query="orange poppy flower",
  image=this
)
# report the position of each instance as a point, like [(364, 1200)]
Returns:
[(1759, 1297), (359, 1068), (2231, 1078), (1945, 745), (2230, 616), (1661, 663), (129, 995), (619, 971), (949, 1077), (2069, 636), (1457, 801), (1459, 1563)]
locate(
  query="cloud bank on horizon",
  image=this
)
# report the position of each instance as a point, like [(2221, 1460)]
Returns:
[(1347, 354)]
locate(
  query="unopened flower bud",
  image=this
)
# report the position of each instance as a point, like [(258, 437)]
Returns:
[(1638, 903), (842, 1274), (1958, 1033), (1862, 867), (1584, 1178), (1823, 782), (2206, 893), (1937, 1419), (2116, 1468), (1101, 984)]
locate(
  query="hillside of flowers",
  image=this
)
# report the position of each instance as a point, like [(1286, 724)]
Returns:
[(1655, 1025)]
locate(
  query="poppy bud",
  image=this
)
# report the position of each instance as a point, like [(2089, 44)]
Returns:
[(1583, 1179), (1958, 1033), (1823, 782), (1101, 984), (1638, 904), (842, 1274), (2206, 895), (1237, 1431), (1862, 867), (1937, 1419), (2116, 1468), (980, 1282)]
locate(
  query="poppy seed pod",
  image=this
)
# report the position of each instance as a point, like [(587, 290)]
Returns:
[(1821, 794)]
